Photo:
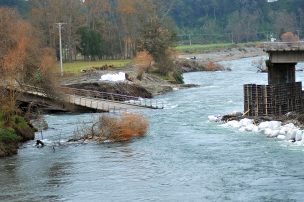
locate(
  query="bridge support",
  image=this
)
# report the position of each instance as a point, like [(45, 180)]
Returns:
[(282, 94), (279, 73)]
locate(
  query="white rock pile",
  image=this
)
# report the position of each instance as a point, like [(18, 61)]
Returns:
[(121, 76), (273, 129)]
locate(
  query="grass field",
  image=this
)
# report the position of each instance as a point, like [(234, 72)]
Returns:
[(197, 48), (77, 66)]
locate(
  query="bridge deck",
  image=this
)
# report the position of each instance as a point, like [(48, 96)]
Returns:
[(98, 104), (101, 101), (285, 52), (283, 46)]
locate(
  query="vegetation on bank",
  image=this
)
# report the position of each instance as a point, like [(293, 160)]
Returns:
[(13, 131), (77, 66), (23, 61)]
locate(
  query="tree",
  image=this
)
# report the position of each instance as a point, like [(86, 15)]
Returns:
[(45, 14), (157, 40), (143, 62), (22, 58), (289, 37), (91, 43)]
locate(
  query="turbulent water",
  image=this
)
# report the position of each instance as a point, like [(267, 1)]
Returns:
[(184, 158)]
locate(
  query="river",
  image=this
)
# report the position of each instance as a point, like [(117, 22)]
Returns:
[(184, 157)]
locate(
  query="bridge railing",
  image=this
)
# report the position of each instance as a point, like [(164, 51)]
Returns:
[(97, 95), (113, 97)]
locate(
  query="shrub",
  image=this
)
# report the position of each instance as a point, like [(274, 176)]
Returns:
[(143, 61), (178, 77), (8, 136), (289, 37), (213, 66), (122, 128), (20, 122)]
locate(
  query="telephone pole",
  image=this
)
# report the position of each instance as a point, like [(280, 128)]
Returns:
[(298, 32), (60, 45)]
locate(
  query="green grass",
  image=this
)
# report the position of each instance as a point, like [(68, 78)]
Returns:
[(197, 48), (77, 66)]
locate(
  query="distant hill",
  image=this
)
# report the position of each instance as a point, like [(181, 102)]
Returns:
[(21, 5), (245, 19)]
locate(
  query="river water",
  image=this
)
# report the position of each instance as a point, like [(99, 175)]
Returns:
[(184, 157)]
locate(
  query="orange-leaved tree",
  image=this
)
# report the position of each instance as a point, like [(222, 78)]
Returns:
[(143, 62), (22, 59), (289, 37)]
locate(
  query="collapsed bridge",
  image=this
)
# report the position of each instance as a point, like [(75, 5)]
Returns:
[(282, 94), (73, 98)]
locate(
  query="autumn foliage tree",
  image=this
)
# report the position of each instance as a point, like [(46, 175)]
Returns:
[(143, 62), (289, 37), (22, 59)]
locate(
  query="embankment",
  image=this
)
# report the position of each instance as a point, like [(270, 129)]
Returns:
[(13, 132), (151, 85)]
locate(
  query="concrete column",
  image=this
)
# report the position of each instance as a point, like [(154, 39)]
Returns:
[(280, 73)]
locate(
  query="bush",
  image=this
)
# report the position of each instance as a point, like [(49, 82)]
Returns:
[(213, 66), (122, 128), (18, 126), (8, 136), (20, 122), (178, 77), (289, 37), (143, 61)]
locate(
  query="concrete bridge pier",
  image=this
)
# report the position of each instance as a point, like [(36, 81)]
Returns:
[(282, 94), (280, 73)]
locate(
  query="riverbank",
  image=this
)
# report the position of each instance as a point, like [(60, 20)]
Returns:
[(226, 54), (13, 133), (151, 84)]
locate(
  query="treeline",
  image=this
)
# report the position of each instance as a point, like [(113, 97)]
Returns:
[(109, 29), (238, 20), (97, 29)]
